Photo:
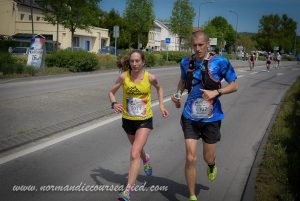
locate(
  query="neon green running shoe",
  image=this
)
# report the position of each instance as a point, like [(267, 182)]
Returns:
[(212, 175), (124, 196), (147, 166), (193, 198)]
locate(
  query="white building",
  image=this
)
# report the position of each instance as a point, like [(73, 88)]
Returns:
[(157, 37), (16, 22)]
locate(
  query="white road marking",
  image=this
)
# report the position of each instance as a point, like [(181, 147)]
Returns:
[(34, 148), (43, 145), (253, 73)]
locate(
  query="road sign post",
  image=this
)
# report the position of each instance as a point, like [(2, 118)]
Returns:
[(168, 42), (116, 36)]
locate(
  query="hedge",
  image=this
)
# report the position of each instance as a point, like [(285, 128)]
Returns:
[(76, 61)]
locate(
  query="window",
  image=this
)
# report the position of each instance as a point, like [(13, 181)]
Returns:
[(87, 45), (30, 17), (38, 18), (76, 42), (22, 16)]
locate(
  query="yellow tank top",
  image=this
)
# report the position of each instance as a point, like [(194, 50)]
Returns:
[(137, 98)]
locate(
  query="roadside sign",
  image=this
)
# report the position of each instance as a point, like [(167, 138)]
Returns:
[(276, 48), (116, 31), (168, 41), (213, 41), (37, 51), (240, 48)]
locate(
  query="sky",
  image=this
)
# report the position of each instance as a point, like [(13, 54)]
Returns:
[(245, 16)]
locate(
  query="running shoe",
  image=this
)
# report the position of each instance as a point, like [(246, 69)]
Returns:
[(212, 174), (124, 196), (147, 166), (193, 198)]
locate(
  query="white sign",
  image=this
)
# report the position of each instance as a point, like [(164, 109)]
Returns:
[(36, 52), (213, 41), (116, 31), (240, 48)]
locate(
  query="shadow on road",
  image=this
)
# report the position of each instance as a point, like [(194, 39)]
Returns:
[(174, 188)]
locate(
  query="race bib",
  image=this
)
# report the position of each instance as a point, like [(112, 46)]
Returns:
[(136, 107), (202, 108)]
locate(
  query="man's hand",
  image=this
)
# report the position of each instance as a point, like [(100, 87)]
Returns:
[(176, 99), (209, 94)]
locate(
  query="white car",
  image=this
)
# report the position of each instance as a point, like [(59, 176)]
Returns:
[(20, 51)]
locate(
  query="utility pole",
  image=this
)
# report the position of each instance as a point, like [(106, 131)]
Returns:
[(236, 28), (32, 29)]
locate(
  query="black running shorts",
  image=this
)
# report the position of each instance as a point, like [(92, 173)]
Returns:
[(208, 131), (131, 126)]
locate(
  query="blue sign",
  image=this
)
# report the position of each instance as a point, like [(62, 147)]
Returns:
[(168, 41)]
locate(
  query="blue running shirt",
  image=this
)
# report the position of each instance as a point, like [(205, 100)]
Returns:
[(217, 67)]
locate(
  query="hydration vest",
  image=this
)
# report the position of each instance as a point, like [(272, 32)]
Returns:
[(207, 81)]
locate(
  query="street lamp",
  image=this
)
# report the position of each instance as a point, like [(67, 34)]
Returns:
[(236, 27), (206, 2)]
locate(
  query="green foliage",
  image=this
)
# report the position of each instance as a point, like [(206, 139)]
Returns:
[(7, 63), (230, 56), (139, 17), (175, 56), (150, 59), (182, 19), (75, 14), (21, 59), (10, 65), (52, 70), (278, 176), (106, 61), (247, 41), (76, 61), (276, 31), (109, 20), (221, 29), (288, 58)]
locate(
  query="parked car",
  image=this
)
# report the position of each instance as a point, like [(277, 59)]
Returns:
[(108, 50), (20, 51)]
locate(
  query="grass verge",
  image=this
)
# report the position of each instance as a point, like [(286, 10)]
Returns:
[(278, 175)]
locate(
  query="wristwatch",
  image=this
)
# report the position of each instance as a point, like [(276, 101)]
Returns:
[(220, 92), (112, 104)]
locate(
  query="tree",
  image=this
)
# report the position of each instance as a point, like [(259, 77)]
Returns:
[(182, 20), (219, 28), (72, 14), (247, 41), (53, 10), (276, 31), (139, 17), (288, 29), (109, 20)]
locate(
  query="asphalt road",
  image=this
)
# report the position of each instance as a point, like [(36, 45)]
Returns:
[(99, 154)]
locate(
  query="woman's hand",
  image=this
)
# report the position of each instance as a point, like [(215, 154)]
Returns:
[(118, 108), (164, 111)]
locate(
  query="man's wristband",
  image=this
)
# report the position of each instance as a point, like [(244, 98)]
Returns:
[(220, 92), (112, 104)]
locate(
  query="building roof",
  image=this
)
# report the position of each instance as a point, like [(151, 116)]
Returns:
[(161, 24), (28, 3)]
